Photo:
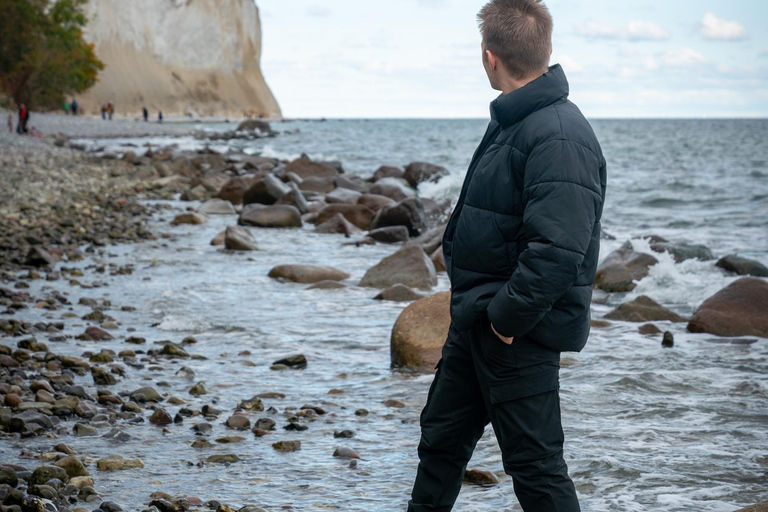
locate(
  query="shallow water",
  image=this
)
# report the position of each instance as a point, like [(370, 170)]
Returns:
[(646, 428)]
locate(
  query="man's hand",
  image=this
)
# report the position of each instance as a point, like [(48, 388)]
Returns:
[(508, 341)]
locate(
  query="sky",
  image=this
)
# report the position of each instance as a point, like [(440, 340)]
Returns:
[(421, 58)]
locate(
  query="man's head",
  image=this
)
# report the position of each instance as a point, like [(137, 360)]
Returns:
[(517, 40)]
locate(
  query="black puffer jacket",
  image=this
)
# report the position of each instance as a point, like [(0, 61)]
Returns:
[(522, 245)]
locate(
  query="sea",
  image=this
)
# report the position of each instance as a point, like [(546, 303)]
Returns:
[(646, 428)]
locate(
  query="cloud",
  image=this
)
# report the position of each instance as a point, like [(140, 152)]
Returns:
[(318, 11), (636, 30), (682, 58), (764, 53), (716, 28), (646, 31), (570, 65), (676, 58)]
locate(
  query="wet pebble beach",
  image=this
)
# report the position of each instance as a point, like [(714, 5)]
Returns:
[(162, 351)]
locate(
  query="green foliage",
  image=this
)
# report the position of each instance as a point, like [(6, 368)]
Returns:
[(43, 56)]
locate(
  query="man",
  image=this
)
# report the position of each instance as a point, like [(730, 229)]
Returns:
[(521, 250)]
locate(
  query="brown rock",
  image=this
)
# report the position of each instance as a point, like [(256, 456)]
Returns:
[(621, 268), (160, 417), (357, 214), (320, 184), (649, 330), (409, 266), (388, 171), (239, 422), (307, 274), (275, 216), (188, 218), (740, 309), (743, 266), (480, 477), (438, 259), (418, 172), (234, 189), (338, 224), (420, 332), (268, 190), (399, 293), (643, 309), (238, 238), (219, 239), (394, 188), (327, 285), (97, 334), (375, 202), (305, 168), (760, 507)]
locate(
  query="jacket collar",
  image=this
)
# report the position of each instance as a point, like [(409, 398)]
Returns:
[(542, 92)]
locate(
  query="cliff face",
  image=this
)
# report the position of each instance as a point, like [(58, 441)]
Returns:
[(179, 56)]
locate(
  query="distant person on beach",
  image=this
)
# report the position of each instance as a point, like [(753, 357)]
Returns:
[(146, 114), (10, 123), (21, 128), (160, 117), (110, 109), (104, 111), (66, 107), (521, 251), (73, 107)]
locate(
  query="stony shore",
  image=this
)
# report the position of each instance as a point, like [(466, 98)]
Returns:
[(59, 205)]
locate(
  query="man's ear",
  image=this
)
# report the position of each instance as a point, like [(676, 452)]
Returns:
[(493, 61)]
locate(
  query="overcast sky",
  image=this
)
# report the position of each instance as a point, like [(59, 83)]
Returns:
[(421, 58)]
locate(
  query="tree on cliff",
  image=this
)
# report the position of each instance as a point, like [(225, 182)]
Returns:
[(43, 56)]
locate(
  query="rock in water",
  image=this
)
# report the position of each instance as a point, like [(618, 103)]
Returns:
[(297, 361), (418, 172), (307, 274), (420, 332), (276, 216), (216, 207), (480, 477), (390, 235), (408, 212), (38, 257), (338, 224), (268, 190), (287, 446), (375, 202), (72, 465), (682, 251), (743, 266), (295, 198), (44, 473), (760, 507), (668, 341), (621, 268), (740, 309), (357, 214), (643, 309), (306, 168), (438, 259), (237, 238), (393, 188), (118, 463), (343, 196), (250, 125), (327, 285), (234, 190), (345, 453), (188, 218), (409, 266), (398, 293)]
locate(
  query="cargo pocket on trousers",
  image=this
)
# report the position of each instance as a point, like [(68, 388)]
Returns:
[(523, 387)]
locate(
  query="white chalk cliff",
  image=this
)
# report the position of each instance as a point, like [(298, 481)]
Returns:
[(198, 57)]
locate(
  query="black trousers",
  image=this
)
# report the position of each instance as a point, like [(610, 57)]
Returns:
[(480, 379)]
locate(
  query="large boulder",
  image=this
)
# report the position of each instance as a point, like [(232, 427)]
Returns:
[(375, 202), (643, 309), (234, 189), (743, 266), (418, 172), (408, 212), (267, 191), (398, 293), (306, 168), (394, 188), (355, 183), (438, 259), (275, 216), (740, 309), (238, 238), (620, 269), (420, 332), (307, 274), (357, 214), (430, 240), (216, 207), (409, 266)]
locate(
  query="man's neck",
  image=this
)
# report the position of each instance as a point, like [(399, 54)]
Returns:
[(510, 84)]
